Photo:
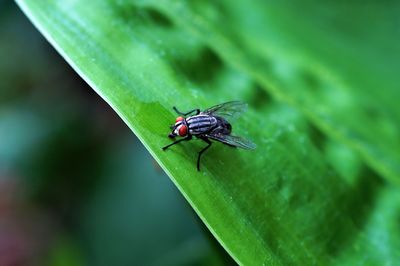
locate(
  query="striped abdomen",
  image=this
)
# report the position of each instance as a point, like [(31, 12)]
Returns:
[(200, 124)]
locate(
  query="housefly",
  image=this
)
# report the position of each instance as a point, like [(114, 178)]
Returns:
[(212, 123)]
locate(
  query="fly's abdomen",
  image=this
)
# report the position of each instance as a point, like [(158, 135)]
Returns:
[(200, 124)]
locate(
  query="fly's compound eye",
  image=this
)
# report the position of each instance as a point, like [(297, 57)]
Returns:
[(179, 119), (182, 131)]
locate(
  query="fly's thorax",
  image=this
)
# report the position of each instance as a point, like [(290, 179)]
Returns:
[(200, 124)]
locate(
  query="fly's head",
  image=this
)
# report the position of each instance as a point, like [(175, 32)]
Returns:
[(179, 128)]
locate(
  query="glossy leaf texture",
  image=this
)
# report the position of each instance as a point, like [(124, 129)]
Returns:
[(322, 186), (336, 62)]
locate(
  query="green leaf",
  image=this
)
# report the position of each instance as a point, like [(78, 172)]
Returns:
[(337, 63), (290, 201)]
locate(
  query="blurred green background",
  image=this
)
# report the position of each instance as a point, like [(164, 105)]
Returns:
[(76, 186)]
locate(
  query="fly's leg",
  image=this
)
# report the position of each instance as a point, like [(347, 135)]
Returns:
[(189, 137), (196, 111), (205, 139)]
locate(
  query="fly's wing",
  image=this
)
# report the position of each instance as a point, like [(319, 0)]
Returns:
[(229, 110), (233, 141)]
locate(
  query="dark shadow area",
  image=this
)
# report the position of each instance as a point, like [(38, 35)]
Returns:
[(259, 98), (317, 137), (200, 65), (311, 80), (157, 17), (350, 211), (131, 13), (203, 67)]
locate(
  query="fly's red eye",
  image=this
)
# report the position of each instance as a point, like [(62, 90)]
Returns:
[(178, 119), (183, 131)]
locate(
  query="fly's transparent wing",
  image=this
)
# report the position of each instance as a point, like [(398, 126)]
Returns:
[(229, 110), (233, 141)]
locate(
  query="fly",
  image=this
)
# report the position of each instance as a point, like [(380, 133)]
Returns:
[(211, 123)]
